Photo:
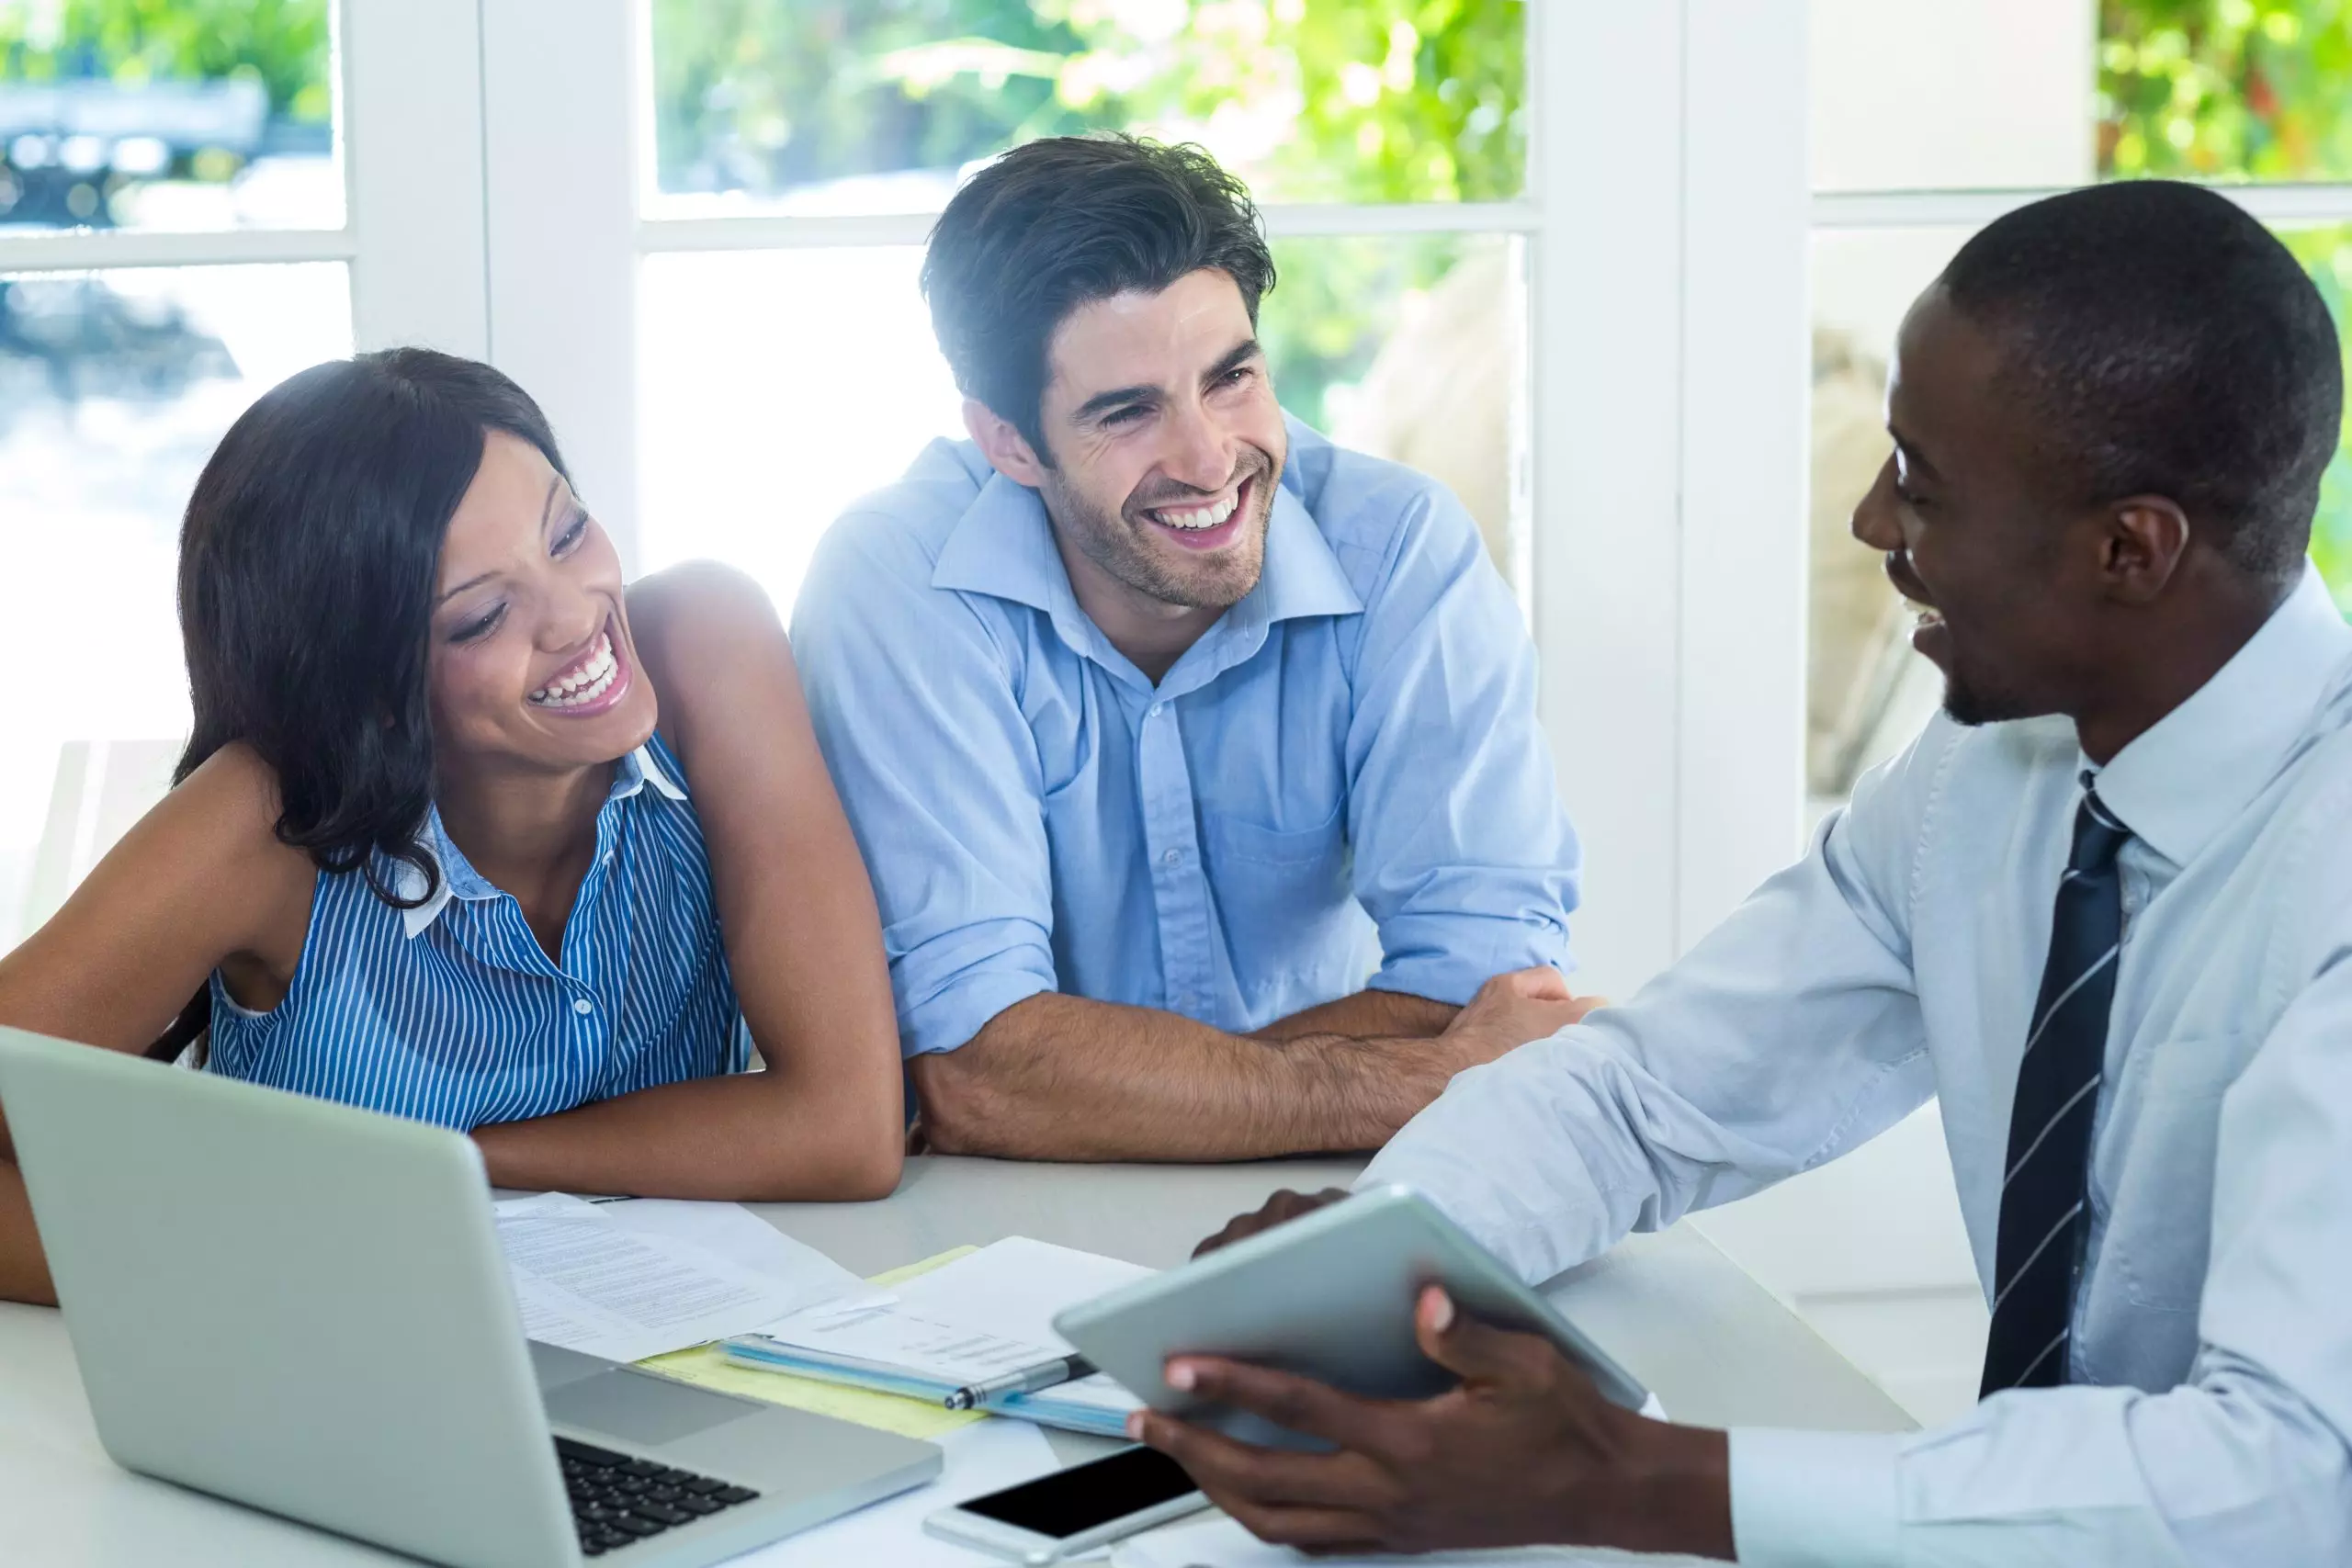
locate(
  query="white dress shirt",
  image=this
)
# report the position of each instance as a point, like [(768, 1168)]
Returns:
[(2207, 1419)]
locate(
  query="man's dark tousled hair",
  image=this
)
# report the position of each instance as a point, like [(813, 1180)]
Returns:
[(2165, 344), (308, 564), (1059, 223)]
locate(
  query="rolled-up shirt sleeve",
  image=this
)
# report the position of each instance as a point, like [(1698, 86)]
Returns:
[(1463, 857), (913, 705)]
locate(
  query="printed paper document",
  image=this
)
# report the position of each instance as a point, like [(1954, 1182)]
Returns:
[(631, 1280)]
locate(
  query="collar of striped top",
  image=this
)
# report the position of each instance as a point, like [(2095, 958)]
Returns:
[(460, 880), (2188, 774)]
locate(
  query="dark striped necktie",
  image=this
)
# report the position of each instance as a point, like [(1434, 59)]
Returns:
[(2045, 1190)]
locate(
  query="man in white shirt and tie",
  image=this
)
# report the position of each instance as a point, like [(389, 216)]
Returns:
[(2101, 909)]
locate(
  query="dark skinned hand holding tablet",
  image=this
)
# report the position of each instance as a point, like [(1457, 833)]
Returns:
[(1524, 1451)]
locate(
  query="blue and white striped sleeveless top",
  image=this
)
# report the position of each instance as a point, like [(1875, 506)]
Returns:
[(451, 1013)]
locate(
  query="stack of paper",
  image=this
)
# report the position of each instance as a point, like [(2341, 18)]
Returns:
[(634, 1278), (709, 1366), (985, 1315)]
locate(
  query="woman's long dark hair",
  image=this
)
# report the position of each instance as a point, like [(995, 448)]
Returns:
[(308, 564)]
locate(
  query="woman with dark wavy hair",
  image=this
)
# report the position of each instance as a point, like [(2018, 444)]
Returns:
[(429, 853)]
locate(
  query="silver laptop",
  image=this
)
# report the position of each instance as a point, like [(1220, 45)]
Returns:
[(304, 1307)]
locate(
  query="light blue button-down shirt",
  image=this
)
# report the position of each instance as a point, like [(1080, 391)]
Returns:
[(2209, 1418), (1342, 781)]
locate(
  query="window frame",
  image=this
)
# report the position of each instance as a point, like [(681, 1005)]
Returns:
[(412, 173), (491, 195)]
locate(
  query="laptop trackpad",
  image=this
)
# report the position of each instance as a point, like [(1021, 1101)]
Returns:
[(641, 1409)]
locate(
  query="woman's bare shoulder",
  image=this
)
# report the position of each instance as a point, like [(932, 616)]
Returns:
[(201, 882), (708, 609), (221, 822)]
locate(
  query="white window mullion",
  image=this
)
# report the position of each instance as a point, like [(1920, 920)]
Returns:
[(2283, 206), (751, 232), (1746, 372), (561, 112), (776, 231), (76, 250), (411, 119), (1604, 280), (1299, 220)]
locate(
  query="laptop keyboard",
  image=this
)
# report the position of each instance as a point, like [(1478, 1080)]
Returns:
[(618, 1500)]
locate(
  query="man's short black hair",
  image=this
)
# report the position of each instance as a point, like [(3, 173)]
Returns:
[(2165, 344), (1059, 223)]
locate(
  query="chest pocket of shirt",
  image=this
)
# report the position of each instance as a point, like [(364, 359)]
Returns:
[(1271, 881), (2163, 1128)]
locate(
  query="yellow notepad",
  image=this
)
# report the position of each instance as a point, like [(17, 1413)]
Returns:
[(706, 1366)]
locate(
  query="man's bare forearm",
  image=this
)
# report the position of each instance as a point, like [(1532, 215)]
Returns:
[(23, 1272), (1064, 1077), (1367, 1015)]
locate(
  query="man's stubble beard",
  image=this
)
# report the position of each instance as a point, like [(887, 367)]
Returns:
[(1108, 541), (1962, 706), (1975, 705)]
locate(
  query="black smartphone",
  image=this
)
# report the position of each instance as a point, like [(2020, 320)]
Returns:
[(1074, 1510)]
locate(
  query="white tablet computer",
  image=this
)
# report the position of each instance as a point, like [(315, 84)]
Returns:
[(1329, 1296)]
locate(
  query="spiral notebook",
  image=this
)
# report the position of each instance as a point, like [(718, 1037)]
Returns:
[(984, 1315)]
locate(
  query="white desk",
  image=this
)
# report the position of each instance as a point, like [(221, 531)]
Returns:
[(1718, 1349)]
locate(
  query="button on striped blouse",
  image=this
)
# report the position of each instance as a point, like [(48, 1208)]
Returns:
[(451, 1013)]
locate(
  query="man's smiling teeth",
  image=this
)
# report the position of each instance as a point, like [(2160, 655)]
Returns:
[(585, 681), (1207, 516)]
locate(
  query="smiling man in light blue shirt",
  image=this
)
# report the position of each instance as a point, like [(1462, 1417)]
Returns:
[(1195, 759)]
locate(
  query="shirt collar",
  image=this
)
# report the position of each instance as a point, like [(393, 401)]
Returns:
[(460, 880), (2181, 782), (1302, 577), (1004, 547), (639, 769)]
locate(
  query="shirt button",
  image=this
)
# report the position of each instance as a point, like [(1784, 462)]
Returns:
[(1174, 857), (1159, 708), (582, 1006)]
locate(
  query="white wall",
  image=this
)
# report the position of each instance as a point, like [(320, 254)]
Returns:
[(1952, 94)]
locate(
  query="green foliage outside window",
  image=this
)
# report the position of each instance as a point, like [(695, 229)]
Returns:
[(2225, 89), (1311, 100), (1308, 100), (1335, 302), (1351, 100), (2235, 90), (1346, 100), (282, 43), (2327, 255)]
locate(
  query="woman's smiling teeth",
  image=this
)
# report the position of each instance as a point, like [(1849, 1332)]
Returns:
[(585, 681), (1209, 516)]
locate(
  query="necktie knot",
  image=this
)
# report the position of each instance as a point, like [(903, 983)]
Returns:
[(2099, 834)]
